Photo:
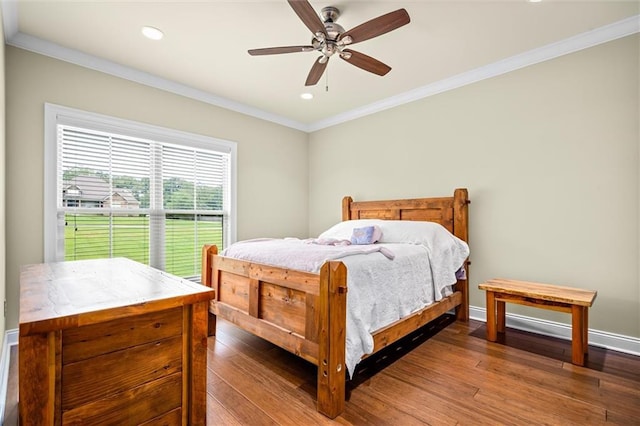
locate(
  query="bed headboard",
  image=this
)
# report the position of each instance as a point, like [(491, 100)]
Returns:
[(450, 212)]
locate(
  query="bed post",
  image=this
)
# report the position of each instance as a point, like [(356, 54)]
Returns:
[(332, 309), (207, 278), (346, 208), (461, 230)]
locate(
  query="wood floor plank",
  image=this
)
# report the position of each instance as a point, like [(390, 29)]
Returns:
[(525, 413), (443, 390), (218, 414), (246, 411), (621, 390), (269, 381), (408, 398), (605, 377), (609, 399), (581, 388), (466, 411), (436, 382), (283, 362), (507, 387), (621, 419), (497, 351), (380, 412), (599, 359), (266, 389)]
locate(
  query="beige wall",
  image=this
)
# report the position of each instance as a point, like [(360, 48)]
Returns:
[(550, 156), (272, 159)]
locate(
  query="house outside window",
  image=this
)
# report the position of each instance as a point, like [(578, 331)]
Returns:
[(93, 191), (116, 188)]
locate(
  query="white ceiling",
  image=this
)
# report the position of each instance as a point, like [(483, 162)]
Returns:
[(204, 52)]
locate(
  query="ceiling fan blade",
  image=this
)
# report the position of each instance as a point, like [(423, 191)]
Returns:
[(365, 62), (305, 12), (377, 26), (278, 50), (316, 71)]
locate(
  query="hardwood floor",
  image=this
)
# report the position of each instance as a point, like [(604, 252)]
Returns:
[(441, 375)]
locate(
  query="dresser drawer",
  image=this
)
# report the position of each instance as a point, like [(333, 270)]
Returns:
[(96, 339), (149, 402), (98, 377)]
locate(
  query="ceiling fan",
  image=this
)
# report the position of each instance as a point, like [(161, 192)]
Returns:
[(330, 38)]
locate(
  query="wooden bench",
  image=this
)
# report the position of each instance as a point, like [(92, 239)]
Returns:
[(564, 299)]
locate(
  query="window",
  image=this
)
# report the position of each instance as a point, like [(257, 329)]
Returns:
[(116, 188)]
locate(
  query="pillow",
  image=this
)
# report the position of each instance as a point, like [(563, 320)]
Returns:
[(413, 232), (435, 237), (344, 230), (366, 235), (430, 234)]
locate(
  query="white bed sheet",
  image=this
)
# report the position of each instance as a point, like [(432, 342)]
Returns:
[(380, 290)]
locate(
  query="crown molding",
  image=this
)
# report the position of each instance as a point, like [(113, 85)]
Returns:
[(46, 48), (573, 44), (9, 18), (582, 41)]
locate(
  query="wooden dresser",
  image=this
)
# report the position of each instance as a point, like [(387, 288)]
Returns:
[(111, 341)]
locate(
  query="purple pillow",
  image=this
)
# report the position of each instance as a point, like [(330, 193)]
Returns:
[(366, 235)]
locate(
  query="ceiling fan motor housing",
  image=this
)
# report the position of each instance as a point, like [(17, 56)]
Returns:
[(329, 45), (333, 30)]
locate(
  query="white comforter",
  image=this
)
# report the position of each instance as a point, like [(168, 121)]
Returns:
[(380, 290)]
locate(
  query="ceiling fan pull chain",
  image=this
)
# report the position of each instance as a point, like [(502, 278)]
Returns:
[(326, 84)]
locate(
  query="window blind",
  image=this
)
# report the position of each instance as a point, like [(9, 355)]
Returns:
[(124, 196)]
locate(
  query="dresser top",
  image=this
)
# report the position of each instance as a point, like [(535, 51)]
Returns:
[(55, 296)]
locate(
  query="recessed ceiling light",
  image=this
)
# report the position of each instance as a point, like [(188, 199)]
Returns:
[(535, 1), (152, 33), (307, 96)]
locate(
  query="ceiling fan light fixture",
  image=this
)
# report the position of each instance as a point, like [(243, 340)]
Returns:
[(345, 40), (307, 96), (152, 33)]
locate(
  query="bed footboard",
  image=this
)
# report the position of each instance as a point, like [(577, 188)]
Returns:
[(301, 312)]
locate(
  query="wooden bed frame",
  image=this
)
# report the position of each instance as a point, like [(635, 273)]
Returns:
[(305, 313)]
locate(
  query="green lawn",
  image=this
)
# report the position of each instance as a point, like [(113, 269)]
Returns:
[(88, 237)]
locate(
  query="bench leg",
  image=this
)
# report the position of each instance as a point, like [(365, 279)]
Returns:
[(579, 333), (492, 334), (501, 315), (585, 331)]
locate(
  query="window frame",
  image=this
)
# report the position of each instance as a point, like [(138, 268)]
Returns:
[(57, 114)]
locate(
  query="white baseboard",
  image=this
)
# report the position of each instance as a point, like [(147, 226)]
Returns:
[(603, 339), (10, 339)]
